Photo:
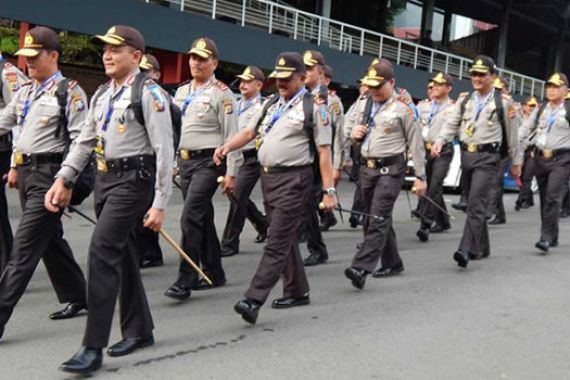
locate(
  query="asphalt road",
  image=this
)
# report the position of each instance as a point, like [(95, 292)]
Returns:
[(503, 318)]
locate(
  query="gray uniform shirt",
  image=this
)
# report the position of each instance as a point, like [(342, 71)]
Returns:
[(336, 112), (125, 137), (287, 143), (12, 80), (548, 136), (433, 117), (394, 131), (36, 127), (486, 128), (210, 119)]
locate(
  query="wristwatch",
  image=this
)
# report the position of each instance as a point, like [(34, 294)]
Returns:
[(68, 184), (421, 177), (331, 191)]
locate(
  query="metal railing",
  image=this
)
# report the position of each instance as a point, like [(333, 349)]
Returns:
[(277, 18)]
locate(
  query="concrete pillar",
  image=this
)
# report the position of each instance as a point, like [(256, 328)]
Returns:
[(560, 47), (427, 17), (503, 34), (446, 34)]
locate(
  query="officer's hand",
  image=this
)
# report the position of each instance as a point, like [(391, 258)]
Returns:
[(358, 132), (346, 164), (153, 219), (436, 149), (420, 187), (175, 171), (57, 198), (515, 171), (337, 175), (12, 179), (329, 202), (228, 184), (220, 153)]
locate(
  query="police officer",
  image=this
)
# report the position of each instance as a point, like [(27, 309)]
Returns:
[(148, 246), (134, 163), (484, 127), (38, 153), (289, 141), (385, 127), (526, 197), (552, 155), (11, 79), (433, 116), (209, 118), (251, 82)]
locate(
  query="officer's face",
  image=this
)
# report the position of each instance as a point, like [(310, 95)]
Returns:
[(362, 89), (555, 93), (250, 88), (383, 92), (440, 91), (290, 86), (327, 81), (153, 74), (482, 82), (43, 65), (314, 74), (529, 108), (120, 61), (202, 68)]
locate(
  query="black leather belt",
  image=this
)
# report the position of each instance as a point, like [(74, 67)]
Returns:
[(22, 159), (282, 169), (249, 153), (186, 154), (473, 148), (548, 154), (380, 162), (123, 164)]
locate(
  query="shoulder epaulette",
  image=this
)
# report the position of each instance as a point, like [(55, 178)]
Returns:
[(72, 84), (185, 83), (131, 80), (27, 83), (221, 85), (463, 94), (332, 92), (8, 65)]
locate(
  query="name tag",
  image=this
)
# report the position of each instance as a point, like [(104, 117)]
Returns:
[(48, 101), (122, 103), (203, 99), (296, 116)]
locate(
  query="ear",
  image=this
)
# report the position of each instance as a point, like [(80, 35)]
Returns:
[(54, 56), (216, 62), (137, 55)]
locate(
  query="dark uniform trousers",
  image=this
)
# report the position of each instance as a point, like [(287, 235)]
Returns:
[(552, 176), (358, 203), (285, 197), (380, 192), (246, 179), (436, 171), (148, 245), (565, 208), (39, 236), (315, 242), (121, 200), (6, 238), (528, 169), (198, 179), (496, 204), (479, 171)]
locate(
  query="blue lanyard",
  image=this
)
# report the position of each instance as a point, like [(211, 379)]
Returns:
[(552, 118), (191, 96), (279, 110), (40, 88), (247, 104), (481, 104), (111, 108), (434, 109), (376, 107)]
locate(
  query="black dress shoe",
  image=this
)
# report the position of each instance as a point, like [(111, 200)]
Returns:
[(388, 272), (178, 292), (355, 221), (287, 302), (462, 259), (69, 311), (261, 237), (416, 214), (151, 263), (203, 284), (554, 243), (436, 228), (248, 309), (129, 345), (423, 234), (459, 206), (86, 360), (227, 252), (357, 276), (543, 245), (328, 222), (494, 220), (315, 259)]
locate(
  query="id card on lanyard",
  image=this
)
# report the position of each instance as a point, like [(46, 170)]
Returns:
[(34, 95), (550, 121), (376, 108)]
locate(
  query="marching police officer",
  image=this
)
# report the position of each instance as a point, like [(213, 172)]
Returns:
[(486, 129), (38, 153), (433, 116), (11, 79), (291, 130), (385, 126), (134, 163), (251, 82), (209, 118), (525, 198), (551, 123)]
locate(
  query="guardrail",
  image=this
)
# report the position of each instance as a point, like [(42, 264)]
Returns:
[(277, 18)]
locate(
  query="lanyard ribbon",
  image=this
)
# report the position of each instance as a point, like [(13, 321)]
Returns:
[(376, 107), (192, 95), (481, 104), (434, 110), (111, 109), (552, 117), (244, 107), (280, 109), (40, 88)]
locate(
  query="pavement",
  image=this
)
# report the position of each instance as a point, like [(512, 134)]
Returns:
[(505, 317)]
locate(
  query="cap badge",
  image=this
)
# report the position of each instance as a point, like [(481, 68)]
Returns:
[(372, 73), (281, 61), (201, 44), (247, 71), (28, 40), (112, 30), (479, 62)]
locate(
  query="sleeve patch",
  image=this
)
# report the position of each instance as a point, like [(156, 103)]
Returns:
[(228, 106), (336, 108), (156, 94), (77, 101), (324, 115)]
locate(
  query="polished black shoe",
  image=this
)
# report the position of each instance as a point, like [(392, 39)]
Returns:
[(85, 361), (357, 276), (416, 214), (388, 272), (437, 228), (554, 243), (151, 263), (287, 302), (543, 245), (355, 221), (178, 292), (69, 311), (459, 206), (328, 222), (423, 234), (315, 259), (203, 284), (227, 252), (129, 345), (248, 309), (261, 237), (461, 258), (495, 220)]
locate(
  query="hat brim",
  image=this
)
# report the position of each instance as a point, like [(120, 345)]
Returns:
[(479, 69), (439, 81), (281, 74), (372, 82), (245, 77), (201, 53), (146, 66), (110, 40), (557, 84), (28, 52)]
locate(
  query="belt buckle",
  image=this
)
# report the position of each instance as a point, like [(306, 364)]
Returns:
[(472, 148), (184, 154), (18, 158), (384, 170), (371, 164), (547, 153), (102, 165), (428, 146), (266, 169)]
